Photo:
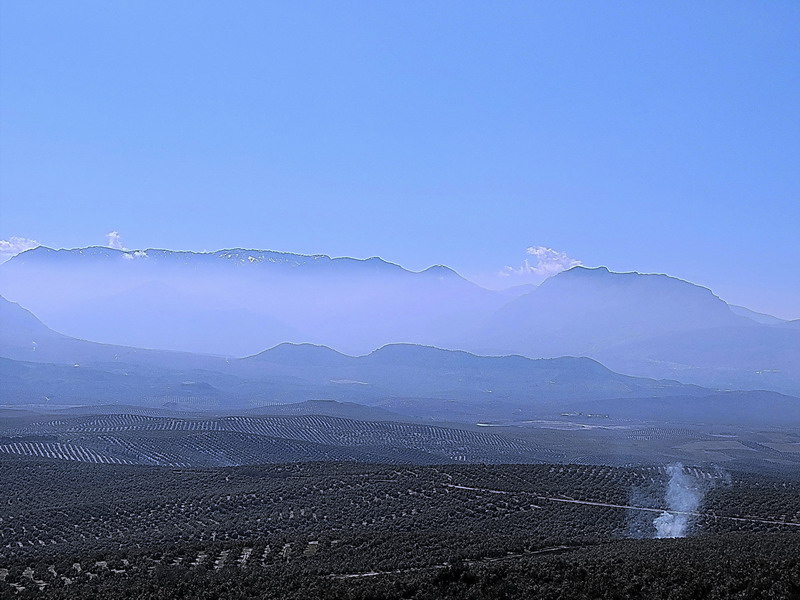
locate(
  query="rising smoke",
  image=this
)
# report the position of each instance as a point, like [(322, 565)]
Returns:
[(678, 499), (683, 497)]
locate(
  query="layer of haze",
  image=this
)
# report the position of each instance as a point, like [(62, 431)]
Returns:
[(660, 137)]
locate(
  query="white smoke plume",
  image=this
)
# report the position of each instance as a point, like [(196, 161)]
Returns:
[(683, 497)]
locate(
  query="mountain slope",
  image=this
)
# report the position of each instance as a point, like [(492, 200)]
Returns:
[(583, 310), (648, 325), (758, 317), (24, 337), (761, 357)]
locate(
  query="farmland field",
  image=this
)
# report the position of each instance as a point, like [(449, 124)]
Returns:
[(77, 529), (161, 438), (237, 440)]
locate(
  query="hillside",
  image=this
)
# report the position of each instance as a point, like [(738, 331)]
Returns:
[(582, 311), (336, 530), (45, 364), (648, 325)]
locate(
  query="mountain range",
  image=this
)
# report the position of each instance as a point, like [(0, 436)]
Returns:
[(235, 303), (39, 363), (238, 302), (400, 381)]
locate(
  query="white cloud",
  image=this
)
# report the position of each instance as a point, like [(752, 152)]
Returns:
[(134, 255), (14, 245), (114, 241), (546, 262)]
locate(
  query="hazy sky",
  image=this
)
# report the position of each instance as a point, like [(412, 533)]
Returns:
[(650, 136)]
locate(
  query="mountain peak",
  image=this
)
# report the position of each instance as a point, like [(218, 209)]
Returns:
[(440, 271), (303, 354), (586, 311)]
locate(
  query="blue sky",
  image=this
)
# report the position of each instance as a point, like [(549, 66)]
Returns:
[(650, 136)]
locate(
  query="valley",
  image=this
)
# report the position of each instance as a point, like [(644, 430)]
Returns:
[(399, 300), (518, 465)]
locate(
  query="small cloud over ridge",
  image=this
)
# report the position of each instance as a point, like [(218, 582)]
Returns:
[(545, 263), (14, 245)]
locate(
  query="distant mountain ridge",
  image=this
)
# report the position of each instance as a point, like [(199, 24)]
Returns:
[(40, 363), (43, 368), (229, 256), (24, 337), (237, 302), (650, 325), (583, 310)]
